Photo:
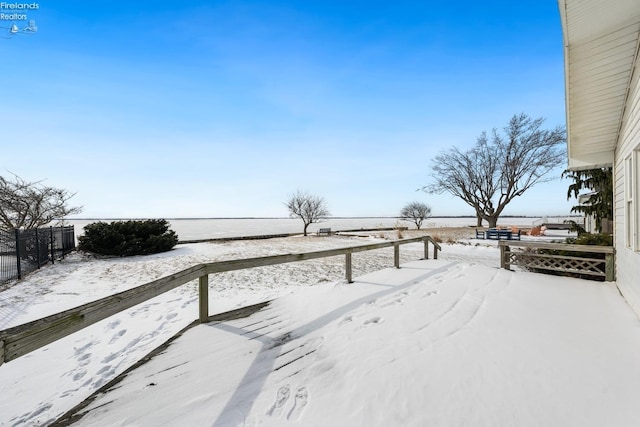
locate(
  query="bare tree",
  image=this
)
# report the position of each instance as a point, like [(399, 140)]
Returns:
[(309, 208), (498, 169), (416, 212), (25, 204)]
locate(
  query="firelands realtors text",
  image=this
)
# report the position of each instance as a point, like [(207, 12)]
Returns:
[(11, 11)]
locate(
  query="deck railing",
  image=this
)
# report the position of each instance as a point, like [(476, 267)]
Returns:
[(23, 339), (579, 265)]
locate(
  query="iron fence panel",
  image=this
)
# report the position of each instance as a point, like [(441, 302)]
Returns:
[(23, 251)]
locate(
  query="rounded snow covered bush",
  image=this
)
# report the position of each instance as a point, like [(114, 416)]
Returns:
[(126, 238)]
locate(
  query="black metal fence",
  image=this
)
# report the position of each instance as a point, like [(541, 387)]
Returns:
[(23, 251)]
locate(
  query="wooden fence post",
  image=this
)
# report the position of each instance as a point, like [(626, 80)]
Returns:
[(426, 248), (505, 253), (348, 267), (609, 267), (203, 285), (396, 255)]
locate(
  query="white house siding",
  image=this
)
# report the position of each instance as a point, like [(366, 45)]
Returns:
[(628, 259)]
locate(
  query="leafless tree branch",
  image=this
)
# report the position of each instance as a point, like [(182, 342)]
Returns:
[(25, 204), (416, 212), (501, 167), (309, 208)]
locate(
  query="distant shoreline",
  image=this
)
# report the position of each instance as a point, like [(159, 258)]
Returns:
[(285, 217)]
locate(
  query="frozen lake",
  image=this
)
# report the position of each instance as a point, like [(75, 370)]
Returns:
[(211, 228)]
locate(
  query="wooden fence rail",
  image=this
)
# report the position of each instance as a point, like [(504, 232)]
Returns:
[(586, 265), (23, 339)]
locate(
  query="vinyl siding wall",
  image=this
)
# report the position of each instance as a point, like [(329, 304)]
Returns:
[(628, 258)]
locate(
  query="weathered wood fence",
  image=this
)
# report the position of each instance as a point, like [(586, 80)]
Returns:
[(529, 258), (23, 339)]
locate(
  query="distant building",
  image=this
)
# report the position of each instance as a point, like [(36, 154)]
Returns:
[(590, 220)]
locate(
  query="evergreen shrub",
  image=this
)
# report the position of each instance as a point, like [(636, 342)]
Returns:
[(127, 238), (592, 239)]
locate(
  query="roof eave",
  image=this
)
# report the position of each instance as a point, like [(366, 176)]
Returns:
[(602, 159), (592, 140)]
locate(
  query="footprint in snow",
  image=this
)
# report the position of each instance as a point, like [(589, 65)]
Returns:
[(80, 351), (281, 399), (79, 375), (104, 370), (68, 393), (24, 419), (373, 321), (132, 343), (109, 358), (301, 400), (189, 302), (398, 301), (117, 335), (113, 324), (84, 359), (347, 319)]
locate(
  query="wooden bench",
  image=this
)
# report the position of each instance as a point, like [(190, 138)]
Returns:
[(498, 234), (324, 231)]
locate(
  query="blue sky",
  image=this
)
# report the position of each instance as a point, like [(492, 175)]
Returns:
[(224, 108)]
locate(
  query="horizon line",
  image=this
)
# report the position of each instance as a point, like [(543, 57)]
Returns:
[(286, 217)]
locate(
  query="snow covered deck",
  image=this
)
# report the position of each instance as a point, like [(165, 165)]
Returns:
[(436, 343)]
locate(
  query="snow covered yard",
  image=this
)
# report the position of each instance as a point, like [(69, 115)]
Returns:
[(435, 343), (48, 382), (449, 342)]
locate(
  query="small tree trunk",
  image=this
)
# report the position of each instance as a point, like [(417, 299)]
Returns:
[(479, 218), (305, 228)]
